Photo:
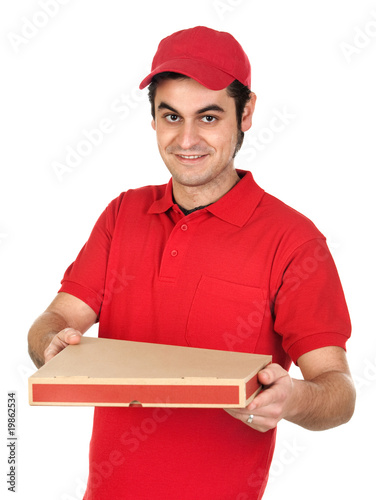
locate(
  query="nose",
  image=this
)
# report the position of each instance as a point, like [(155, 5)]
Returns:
[(188, 136)]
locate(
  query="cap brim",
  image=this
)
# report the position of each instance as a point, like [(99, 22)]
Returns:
[(209, 76)]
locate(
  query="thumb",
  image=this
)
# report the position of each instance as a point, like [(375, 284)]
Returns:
[(60, 341), (265, 377), (271, 374), (70, 336)]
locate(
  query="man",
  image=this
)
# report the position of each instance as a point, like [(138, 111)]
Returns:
[(209, 260)]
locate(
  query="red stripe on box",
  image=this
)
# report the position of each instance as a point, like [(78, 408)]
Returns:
[(251, 386), (145, 394)]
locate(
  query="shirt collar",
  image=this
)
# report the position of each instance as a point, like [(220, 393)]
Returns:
[(235, 207), (163, 204)]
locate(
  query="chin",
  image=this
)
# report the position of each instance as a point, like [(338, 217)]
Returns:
[(191, 179)]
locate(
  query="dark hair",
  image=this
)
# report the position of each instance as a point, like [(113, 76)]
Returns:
[(241, 93)]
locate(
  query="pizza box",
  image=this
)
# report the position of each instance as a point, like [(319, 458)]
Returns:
[(107, 372)]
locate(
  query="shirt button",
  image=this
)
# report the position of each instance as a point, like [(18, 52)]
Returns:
[(184, 227), (174, 253)]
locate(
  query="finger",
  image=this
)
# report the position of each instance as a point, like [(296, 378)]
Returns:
[(275, 393), (271, 373), (263, 399), (260, 423), (239, 413), (257, 422), (69, 336), (60, 341), (242, 414)]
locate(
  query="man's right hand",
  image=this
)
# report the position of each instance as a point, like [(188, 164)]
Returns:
[(68, 336), (64, 322)]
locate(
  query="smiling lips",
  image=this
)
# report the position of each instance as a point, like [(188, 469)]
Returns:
[(191, 157)]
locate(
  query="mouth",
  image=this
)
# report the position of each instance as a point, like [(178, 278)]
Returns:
[(188, 159), (191, 157)]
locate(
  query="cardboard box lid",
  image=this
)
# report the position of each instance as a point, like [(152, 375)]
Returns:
[(107, 361)]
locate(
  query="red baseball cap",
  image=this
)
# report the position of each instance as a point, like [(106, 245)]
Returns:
[(213, 58)]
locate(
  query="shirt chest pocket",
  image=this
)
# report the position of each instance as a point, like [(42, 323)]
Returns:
[(225, 316)]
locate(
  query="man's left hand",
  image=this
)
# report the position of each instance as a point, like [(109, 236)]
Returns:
[(272, 403)]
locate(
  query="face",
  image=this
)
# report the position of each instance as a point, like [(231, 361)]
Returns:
[(197, 133)]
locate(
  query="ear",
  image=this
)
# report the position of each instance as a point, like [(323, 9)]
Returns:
[(248, 113), (153, 124)]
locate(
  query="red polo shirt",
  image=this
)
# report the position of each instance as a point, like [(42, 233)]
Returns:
[(247, 273)]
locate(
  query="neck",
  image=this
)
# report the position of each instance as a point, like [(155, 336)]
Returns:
[(190, 197)]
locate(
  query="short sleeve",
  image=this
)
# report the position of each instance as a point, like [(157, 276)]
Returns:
[(85, 277), (310, 308)]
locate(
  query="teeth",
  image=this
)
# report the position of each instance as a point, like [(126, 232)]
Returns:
[(192, 157)]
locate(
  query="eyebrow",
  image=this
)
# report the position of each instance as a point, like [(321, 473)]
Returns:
[(210, 107)]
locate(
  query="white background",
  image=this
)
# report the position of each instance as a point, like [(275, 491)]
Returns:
[(65, 72)]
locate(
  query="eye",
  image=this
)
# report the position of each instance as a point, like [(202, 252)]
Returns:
[(172, 118), (209, 119)]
